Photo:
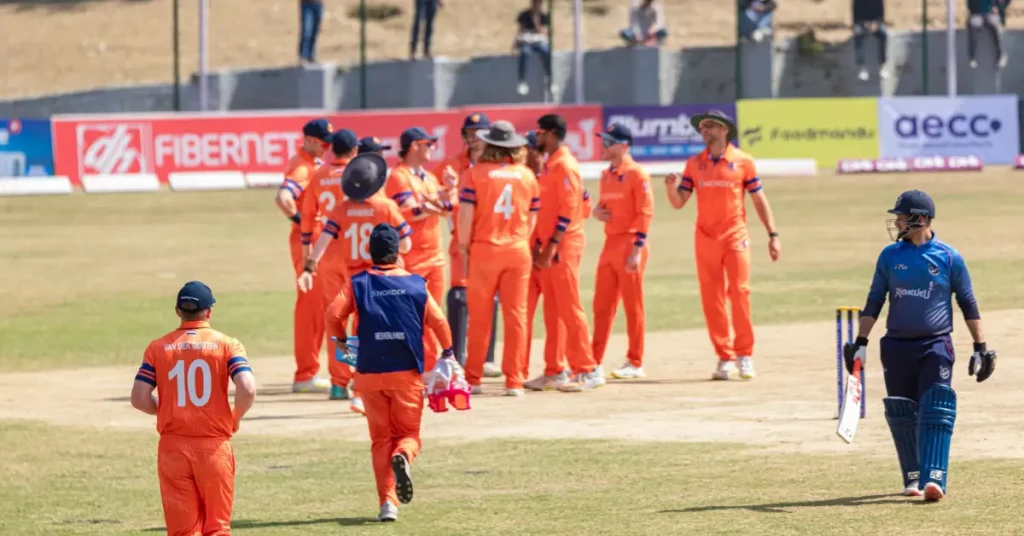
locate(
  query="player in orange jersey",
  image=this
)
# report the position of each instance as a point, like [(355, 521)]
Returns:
[(190, 368), (393, 312), (350, 223), (499, 198), (560, 235), (449, 172), (626, 206), (720, 175), (425, 203), (308, 322), (322, 195)]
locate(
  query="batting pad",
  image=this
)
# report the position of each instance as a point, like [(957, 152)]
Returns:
[(935, 431), (901, 414)]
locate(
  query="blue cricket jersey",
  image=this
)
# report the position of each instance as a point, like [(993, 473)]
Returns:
[(390, 331), (920, 282)]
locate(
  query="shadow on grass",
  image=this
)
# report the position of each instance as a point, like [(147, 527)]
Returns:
[(249, 524), (780, 508)]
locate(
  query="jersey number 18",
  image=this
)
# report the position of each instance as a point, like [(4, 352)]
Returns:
[(359, 240)]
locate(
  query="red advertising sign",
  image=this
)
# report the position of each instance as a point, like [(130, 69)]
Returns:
[(263, 142)]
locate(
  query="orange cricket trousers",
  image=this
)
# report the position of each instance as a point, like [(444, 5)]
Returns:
[(505, 271), (723, 267), (435, 286), (614, 282), (565, 322), (393, 417), (333, 283), (556, 341), (308, 334), (197, 484)]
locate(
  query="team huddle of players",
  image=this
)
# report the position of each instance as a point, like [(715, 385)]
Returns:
[(515, 206)]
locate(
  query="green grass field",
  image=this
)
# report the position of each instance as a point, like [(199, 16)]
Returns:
[(88, 281)]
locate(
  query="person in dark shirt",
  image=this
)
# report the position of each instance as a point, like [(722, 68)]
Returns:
[(756, 19), (986, 14), (532, 37), (869, 17), (425, 11)]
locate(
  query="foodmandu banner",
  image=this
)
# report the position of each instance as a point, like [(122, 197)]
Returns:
[(25, 148), (826, 130), (663, 132), (983, 126)]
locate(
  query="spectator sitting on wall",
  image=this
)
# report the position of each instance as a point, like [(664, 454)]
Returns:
[(869, 16), (646, 24), (757, 18), (532, 37), (983, 15), (425, 11), (311, 12)]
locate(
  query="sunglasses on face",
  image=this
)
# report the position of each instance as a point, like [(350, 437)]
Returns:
[(608, 142)]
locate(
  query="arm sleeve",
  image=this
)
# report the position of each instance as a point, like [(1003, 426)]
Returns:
[(686, 185), (308, 211), (146, 372), (334, 222), (879, 288), (534, 194), (238, 361), (960, 280), (751, 182), (295, 181), (467, 190), (643, 198), (434, 320), (396, 220), (568, 198)]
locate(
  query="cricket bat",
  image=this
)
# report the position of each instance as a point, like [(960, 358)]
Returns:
[(849, 415)]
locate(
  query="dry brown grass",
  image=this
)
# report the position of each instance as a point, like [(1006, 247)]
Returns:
[(66, 45)]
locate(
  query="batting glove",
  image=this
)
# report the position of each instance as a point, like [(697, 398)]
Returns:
[(983, 362), (852, 351)]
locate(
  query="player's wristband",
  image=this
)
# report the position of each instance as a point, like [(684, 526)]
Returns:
[(310, 265), (773, 234), (553, 240), (296, 218), (447, 353), (980, 347), (861, 341)]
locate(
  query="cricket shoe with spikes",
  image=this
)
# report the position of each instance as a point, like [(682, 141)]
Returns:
[(547, 383), (746, 365), (913, 489), (726, 371), (628, 372), (933, 492)]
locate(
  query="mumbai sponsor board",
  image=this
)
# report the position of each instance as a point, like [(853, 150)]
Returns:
[(662, 132), (984, 126), (582, 122), (826, 130), (26, 148)]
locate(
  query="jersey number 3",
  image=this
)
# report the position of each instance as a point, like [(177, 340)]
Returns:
[(504, 205), (359, 238), (187, 382)]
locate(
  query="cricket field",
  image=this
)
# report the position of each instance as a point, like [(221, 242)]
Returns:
[(87, 281)]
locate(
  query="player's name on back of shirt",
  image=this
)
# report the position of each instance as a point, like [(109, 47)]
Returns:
[(192, 345), (502, 173)]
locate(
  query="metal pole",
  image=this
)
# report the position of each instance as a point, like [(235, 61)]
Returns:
[(924, 45), (950, 49), (577, 22), (737, 68), (177, 60), (362, 54), (204, 97)]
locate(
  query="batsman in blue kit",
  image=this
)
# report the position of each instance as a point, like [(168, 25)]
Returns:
[(919, 274)]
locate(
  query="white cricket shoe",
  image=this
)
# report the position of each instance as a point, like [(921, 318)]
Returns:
[(492, 370), (357, 406), (315, 384), (599, 370), (628, 372), (583, 382), (746, 367), (726, 371), (477, 390), (548, 383), (511, 391), (913, 489), (933, 492), (388, 512)]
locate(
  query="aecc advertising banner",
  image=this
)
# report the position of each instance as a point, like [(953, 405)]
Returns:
[(663, 132), (983, 126)]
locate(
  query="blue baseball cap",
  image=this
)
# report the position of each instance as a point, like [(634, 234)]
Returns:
[(914, 203), (320, 129), (531, 139), (195, 296), (415, 134), (476, 121), (372, 144), (384, 241), (617, 133), (344, 141)]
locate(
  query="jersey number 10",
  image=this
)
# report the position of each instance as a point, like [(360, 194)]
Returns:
[(504, 205), (187, 382)]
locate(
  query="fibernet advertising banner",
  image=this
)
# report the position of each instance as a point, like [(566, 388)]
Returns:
[(826, 130), (983, 126)]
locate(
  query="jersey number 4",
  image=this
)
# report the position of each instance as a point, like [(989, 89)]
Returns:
[(504, 204), (359, 239), (187, 382)]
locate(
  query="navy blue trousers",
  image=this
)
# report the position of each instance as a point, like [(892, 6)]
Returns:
[(911, 366)]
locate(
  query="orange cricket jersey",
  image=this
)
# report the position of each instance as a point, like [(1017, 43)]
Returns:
[(351, 223), (504, 196), (298, 173), (428, 241), (626, 193), (190, 368), (323, 193), (720, 185), (561, 196)]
